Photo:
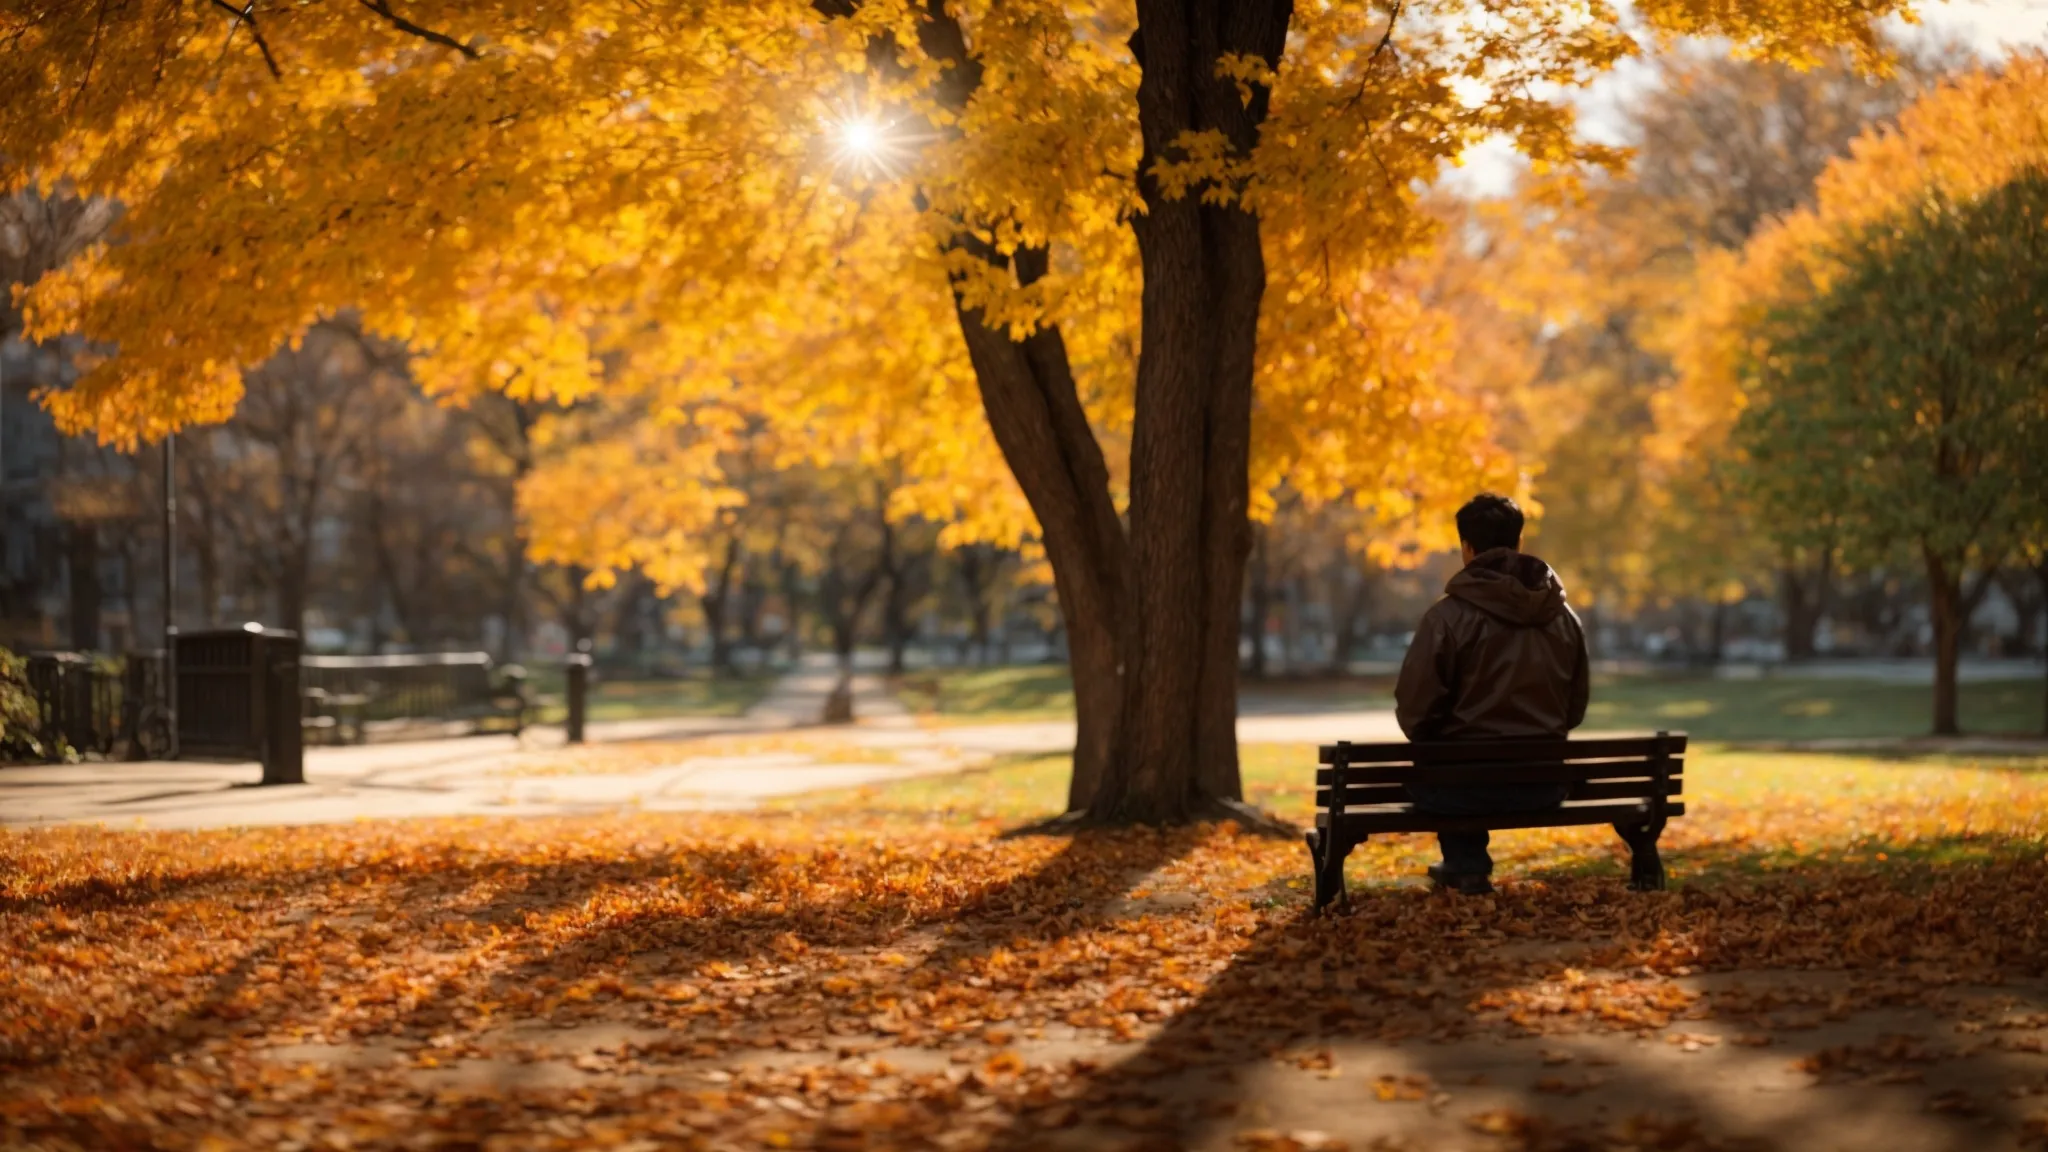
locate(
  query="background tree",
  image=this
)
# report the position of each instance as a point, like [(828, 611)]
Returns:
[(1907, 402), (429, 523), (1633, 511), (1964, 139)]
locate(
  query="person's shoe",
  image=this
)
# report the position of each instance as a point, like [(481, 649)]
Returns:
[(1466, 884)]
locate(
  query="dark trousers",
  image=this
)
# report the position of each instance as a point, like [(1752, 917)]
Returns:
[(1465, 852)]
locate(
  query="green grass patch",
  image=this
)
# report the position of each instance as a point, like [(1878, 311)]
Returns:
[(1771, 708), (987, 695), (1787, 708)]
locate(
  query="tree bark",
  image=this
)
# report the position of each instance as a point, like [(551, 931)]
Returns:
[(1204, 277), (1804, 597), (844, 598), (715, 601), (906, 575), (1951, 606), (1152, 616), (790, 576), (1034, 409), (1944, 600)]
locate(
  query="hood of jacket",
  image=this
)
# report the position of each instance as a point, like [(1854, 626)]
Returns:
[(1510, 586)]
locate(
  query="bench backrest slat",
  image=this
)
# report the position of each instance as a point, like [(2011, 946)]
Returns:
[(1369, 795), (1502, 751), (1529, 772), (1364, 794)]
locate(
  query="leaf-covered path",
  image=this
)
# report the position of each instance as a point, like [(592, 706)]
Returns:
[(1855, 969)]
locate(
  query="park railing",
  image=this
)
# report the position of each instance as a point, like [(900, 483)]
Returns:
[(91, 704), (249, 693)]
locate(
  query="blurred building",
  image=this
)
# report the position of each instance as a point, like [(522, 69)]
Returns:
[(78, 541)]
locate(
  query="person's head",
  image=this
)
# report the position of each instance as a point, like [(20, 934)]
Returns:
[(1487, 522)]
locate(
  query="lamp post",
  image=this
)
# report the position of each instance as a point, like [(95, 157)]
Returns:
[(170, 594)]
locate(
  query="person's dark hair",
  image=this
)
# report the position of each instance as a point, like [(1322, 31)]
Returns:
[(1488, 521)]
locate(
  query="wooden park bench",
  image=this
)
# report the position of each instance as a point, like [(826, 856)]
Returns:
[(493, 705), (338, 713), (1630, 782), (346, 697)]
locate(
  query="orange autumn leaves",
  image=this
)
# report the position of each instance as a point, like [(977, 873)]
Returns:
[(824, 981)]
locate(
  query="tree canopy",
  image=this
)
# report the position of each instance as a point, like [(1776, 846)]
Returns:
[(1048, 230)]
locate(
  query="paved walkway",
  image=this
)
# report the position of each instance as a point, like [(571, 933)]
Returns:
[(691, 763)]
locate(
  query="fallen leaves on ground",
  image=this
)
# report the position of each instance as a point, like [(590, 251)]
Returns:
[(629, 758), (819, 981)]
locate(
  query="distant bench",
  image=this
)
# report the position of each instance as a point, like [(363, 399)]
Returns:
[(346, 695), (1630, 783)]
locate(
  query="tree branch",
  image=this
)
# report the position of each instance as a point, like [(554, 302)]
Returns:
[(383, 8), (247, 15)]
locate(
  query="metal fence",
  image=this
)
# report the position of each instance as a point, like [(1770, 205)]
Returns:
[(97, 705), (247, 693)]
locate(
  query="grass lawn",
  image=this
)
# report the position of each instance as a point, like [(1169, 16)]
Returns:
[(1788, 708), (652, 699), (1752, 811), (1772, 709), (988, 695)]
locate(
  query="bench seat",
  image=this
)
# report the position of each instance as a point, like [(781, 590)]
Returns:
[(1628, 782)]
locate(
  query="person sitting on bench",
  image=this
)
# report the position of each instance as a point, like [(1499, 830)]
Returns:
[(1500, 657)]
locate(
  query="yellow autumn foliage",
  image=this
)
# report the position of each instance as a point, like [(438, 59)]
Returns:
[(1964, 139), (648, 206)]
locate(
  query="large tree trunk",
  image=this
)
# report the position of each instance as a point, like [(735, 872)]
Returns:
[(1151, 619), (1205, 275)]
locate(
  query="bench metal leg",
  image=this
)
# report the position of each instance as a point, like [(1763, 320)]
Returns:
[(1326, 854), (1646, 868)]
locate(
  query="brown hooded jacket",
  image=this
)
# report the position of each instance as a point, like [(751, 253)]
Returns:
[(1500, 656)]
